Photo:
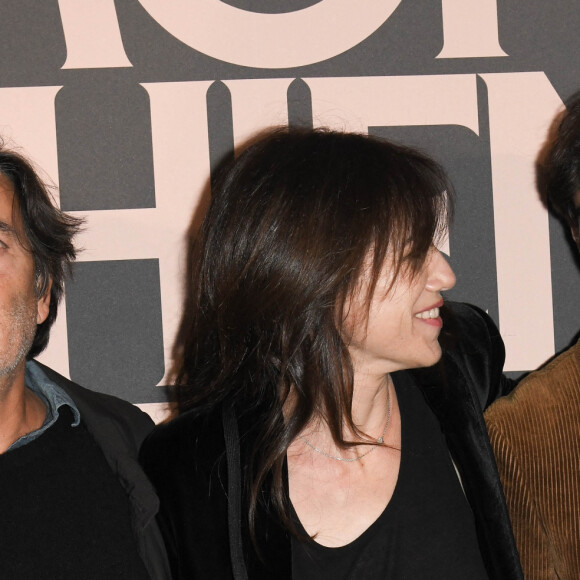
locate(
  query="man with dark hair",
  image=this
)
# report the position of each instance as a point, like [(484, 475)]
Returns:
[(74, 503), (535, 431)]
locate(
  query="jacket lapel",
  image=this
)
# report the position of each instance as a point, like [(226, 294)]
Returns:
[(460, 414)]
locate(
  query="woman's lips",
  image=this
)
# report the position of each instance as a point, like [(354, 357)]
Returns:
[(431, 315)]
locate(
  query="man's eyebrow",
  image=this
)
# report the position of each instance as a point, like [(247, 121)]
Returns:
[(7, 228)]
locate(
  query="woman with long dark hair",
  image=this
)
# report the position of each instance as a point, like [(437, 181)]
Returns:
[(312, 442)]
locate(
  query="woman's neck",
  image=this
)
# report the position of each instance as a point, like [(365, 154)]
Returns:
[(369, 412), (369, 402)]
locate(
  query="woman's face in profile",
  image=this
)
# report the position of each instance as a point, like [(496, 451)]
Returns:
[(403, 324)]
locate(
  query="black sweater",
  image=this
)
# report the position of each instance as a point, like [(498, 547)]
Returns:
[(64, 512)]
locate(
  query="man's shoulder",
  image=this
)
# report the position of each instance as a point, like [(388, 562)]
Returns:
[(543, 392), (561, 371), (96, 407)]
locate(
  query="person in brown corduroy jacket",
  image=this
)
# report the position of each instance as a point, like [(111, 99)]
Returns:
[(535, 431)]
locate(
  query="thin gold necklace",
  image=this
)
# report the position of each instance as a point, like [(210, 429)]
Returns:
[(379, 442)]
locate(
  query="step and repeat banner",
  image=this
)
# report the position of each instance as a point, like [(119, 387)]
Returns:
[(128, 105)]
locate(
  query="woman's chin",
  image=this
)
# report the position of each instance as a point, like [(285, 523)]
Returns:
[(431, 358)]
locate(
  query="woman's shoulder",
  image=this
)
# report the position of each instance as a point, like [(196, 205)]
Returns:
[(468, 314), (467, 328), (474, 353)]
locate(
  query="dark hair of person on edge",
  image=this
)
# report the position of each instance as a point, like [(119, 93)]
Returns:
[(304, 447), (558, 168)]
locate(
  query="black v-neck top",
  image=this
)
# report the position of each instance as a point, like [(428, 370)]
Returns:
[(427, 531)]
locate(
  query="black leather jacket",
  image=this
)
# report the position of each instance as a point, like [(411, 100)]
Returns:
[(197, 464)]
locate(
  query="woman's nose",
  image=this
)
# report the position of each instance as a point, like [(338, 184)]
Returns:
[(441, 276)]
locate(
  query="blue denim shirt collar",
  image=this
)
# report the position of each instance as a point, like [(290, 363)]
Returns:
[(53, 397)]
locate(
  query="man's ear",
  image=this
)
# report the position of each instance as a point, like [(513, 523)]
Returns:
[(43, 304)]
